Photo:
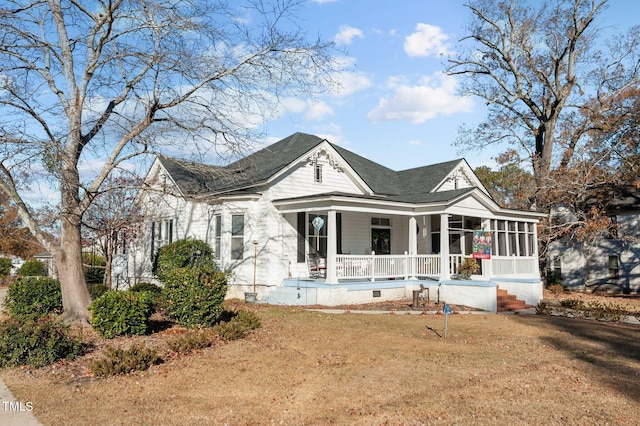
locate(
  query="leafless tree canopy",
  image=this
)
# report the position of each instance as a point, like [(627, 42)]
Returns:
[(88, 86), (545, 73)]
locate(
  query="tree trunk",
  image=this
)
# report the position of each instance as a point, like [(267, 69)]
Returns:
[(108, 265), (75, 294)]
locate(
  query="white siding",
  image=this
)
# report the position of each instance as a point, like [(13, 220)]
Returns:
[(300, 182), (356, 233), (628, 225)]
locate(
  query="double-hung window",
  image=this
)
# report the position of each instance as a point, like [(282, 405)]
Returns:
[(217, 235), (161, 235), (237, 237)]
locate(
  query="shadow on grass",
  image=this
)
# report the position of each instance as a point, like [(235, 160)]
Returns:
[(610, 351)]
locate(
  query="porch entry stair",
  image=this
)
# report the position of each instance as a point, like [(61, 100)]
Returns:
[(508, 302)]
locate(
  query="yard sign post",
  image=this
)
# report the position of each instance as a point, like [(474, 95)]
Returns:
[(446, 310)]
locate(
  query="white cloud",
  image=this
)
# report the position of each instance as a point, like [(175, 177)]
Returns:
[(292, 105), (433, 96), (308, 108), (318, 111), (350, 82), (415, 143), (426, 40), (347, 34)]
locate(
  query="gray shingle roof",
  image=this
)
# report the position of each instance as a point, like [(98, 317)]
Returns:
[(411, 185)]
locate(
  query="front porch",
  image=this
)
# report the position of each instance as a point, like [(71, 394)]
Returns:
[(351, 250)]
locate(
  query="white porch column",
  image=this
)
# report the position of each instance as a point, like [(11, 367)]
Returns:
[(413, 236), (332, 250), (445, 273)]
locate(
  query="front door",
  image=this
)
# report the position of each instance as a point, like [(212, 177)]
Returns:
[(381, 240)]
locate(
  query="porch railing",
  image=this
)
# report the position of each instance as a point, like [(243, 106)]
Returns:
[(354, 267), (372, 267), (514, 265)]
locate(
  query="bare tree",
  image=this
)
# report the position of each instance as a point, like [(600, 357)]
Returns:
[(113, 220), (111, 80), (543, 76)]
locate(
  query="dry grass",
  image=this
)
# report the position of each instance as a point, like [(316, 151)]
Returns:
[(306, 367)]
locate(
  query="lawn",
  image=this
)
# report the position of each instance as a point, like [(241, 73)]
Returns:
[(305, 367)]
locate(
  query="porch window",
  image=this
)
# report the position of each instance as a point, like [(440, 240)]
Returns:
[(513, 238), (237, 237), (161, 234), (435, 233), (318, 238), (217, 235)]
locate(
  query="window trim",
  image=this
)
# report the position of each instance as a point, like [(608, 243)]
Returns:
[(158, 229), (237, 253), (217, 235)]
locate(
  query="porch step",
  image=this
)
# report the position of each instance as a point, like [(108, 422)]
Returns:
[(291, 296), (508, 302)]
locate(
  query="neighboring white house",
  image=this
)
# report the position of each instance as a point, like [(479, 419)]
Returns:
[(610, 263), (310, 222)]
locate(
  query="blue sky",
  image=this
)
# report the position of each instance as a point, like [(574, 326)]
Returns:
[(397, 107)]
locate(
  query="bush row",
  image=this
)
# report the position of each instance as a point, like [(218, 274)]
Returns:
[(577, 308), (193, 294)]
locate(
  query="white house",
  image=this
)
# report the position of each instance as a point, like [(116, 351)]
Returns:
[(610, 263), (309, 222)]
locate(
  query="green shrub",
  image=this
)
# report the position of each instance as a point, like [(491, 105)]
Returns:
[(193, 296), (190, 342), (32, 268), (241, 322), (124, 361), (151, 291), (119, 313), (97, 290), (39, 296), (248, 319), (34, 341), (181, 254), (232, 330), (151, 288), (5, 266)]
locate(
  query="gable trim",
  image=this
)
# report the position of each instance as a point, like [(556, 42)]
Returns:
[(325, 149)]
